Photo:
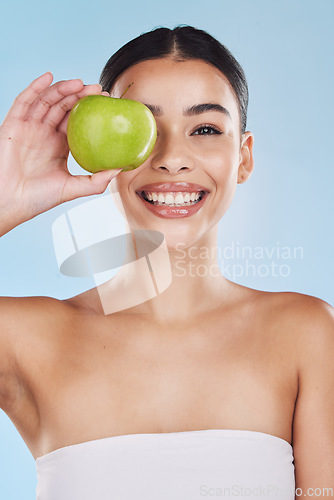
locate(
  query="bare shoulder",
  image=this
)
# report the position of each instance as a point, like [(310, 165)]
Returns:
[(312, 323), (19, 311), (307, 316), (306, 321), (24, 321), (26, 316), (296, 308), (30, 323), (304, 318)]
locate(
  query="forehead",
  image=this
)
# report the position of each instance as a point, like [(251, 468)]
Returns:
[(174, 83)]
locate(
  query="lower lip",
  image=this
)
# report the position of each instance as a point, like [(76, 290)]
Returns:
[(167, 212)]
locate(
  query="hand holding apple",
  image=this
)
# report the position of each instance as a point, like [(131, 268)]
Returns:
[(34, 150), (105, 133)]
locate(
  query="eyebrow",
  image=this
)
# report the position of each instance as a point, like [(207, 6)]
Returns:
[(196, 109)]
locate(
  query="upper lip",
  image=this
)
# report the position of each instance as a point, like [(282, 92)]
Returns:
[(167, 187)]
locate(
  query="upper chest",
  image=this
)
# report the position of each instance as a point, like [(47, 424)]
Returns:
[(131, 362)]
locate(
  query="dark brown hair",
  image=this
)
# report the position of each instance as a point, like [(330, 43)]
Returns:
[(181, 43)]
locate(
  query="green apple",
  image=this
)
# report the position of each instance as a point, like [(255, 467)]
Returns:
[(107, 132)]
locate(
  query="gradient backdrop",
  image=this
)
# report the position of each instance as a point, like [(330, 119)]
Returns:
[(284, 214)]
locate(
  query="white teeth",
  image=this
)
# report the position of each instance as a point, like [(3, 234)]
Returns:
[(169, 199), (179, 198), (173, 198)]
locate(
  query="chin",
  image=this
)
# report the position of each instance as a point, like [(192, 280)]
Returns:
[(176, 235)]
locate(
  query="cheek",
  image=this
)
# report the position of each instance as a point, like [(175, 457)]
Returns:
[(222, 164), (123, 181)]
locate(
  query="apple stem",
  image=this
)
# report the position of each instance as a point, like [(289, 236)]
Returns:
[(127, 88)]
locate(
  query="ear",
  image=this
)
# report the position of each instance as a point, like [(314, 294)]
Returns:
[(246, 161)]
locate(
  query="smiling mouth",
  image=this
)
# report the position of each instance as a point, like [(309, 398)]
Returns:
[(172, 199)]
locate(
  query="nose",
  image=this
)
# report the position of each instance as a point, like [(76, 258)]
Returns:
[(172, 154)]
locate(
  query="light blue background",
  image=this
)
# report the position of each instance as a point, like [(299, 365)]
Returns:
[(286, 49)]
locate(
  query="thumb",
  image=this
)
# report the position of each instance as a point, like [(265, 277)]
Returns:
[(86, 185)]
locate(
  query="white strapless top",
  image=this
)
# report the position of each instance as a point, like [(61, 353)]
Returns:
[(186, 465)]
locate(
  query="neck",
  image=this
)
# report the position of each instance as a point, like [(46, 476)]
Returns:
[(167, 285)]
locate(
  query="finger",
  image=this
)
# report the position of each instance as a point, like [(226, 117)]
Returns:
[(86, 185), (88, 90), (94, 89), (59, 110), (62, 127), (51, 96), (28, 95)]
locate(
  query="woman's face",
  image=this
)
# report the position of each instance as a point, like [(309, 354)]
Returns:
[(198, 145)]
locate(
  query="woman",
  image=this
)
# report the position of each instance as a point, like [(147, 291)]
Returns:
[(209, 388)]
